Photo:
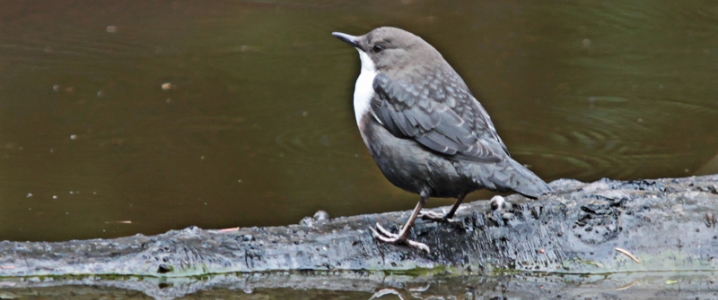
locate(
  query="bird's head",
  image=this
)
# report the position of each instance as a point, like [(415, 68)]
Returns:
[(386, 48)]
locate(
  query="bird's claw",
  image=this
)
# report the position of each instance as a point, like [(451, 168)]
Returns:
[(436, 217), (380, 233), (384, 232), (430, 215)]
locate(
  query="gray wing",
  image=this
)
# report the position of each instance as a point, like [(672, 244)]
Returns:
[(434, 123)]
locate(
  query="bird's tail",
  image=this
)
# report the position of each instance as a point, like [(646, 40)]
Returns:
[(512, 176)]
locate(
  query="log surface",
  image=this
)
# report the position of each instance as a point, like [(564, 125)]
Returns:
[(662, 224)]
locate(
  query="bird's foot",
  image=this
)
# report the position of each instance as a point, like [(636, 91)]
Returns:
[(436, 217), (380, 233), (432, 216)]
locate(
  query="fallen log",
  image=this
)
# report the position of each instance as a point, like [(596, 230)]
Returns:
[(602, 227)]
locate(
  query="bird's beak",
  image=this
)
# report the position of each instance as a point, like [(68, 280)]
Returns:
[(349, 39)]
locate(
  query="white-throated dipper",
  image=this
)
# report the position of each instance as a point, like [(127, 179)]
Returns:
[(424, 128)]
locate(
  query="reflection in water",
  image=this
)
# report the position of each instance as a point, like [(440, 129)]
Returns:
[(229, 113), (366, 285)]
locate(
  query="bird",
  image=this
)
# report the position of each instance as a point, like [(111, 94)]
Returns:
[(426, 131)]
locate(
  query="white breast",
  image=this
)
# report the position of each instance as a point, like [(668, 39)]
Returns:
[(363, 90)]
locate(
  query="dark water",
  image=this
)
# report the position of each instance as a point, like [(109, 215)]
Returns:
[(119, 118)]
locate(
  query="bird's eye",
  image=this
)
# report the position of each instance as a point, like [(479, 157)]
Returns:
[(377, 48)]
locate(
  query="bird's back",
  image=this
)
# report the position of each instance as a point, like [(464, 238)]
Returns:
[(504, 175), (494, 171)]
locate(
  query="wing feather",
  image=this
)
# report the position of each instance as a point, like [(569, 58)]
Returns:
[(410, 113)]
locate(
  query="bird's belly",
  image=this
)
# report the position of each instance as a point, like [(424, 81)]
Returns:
[(412, 167)]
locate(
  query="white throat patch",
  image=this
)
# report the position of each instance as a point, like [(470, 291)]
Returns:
[(363, 90)]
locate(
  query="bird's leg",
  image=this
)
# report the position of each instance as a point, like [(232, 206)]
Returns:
[(455, 207), (385, 236), (430, 215)]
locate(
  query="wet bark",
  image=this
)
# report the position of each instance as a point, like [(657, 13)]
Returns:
[(665, 224)]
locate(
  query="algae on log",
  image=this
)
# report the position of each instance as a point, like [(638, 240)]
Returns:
[(667, 224)]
